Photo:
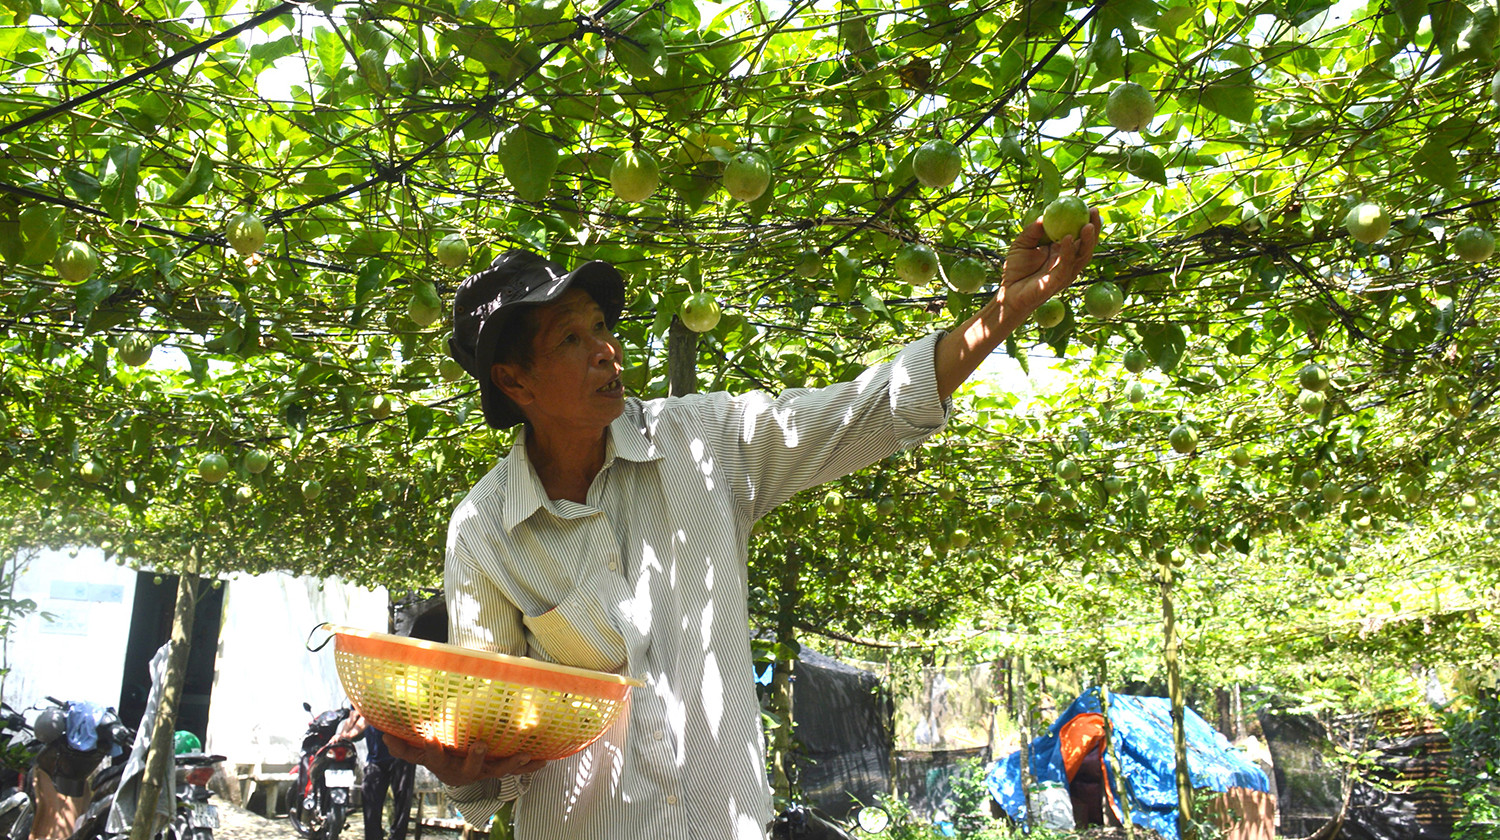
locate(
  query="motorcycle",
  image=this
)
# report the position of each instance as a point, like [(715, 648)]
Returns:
[(17, 807), (195, 817), (182, 809), (319, 803)]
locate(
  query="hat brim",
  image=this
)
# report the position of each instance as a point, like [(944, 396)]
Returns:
[(600, 279)]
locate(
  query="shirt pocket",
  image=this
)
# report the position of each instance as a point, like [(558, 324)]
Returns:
[(583, 629)]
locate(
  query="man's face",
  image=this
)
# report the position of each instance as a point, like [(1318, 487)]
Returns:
[(574, 379)]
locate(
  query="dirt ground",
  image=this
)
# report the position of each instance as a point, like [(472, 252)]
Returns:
[(239, 824)]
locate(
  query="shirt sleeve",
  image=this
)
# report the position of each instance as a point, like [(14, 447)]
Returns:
[(773, 448), (481, 800)]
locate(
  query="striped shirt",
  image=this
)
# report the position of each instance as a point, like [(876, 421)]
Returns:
[(648, 578)]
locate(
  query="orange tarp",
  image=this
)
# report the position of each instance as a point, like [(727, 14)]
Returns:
[(1078, 738)]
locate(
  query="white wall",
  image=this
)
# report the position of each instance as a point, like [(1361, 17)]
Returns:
[(265, 671), (73, 646)]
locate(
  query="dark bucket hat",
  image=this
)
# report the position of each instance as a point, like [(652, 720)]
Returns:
[(487, 300)]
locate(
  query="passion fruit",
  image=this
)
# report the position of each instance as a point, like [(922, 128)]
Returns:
[(74, 262), (453, 250), (1474, 244), (1065, 216), (246, 233), (634, 175), (936, 163), (747, 176), (1367, 222), (1129, 107), (916, 264), (700, 312)]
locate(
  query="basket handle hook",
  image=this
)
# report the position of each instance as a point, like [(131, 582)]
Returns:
[(332, 632)]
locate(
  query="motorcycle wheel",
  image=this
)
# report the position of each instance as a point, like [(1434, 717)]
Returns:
[(334, 823), (304, 822)]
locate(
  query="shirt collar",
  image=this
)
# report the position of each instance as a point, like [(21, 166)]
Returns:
[(524, 494)]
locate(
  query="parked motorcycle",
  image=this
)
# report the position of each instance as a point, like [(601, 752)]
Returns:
[(182, 810), (319, 803), (17, 752), (195, 817)]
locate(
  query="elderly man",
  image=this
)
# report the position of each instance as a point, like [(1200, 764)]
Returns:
[(614, 536)]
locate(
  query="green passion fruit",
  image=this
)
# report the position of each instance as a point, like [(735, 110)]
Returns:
[(1065, 216)]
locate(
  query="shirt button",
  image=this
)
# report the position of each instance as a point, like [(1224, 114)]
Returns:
[(658, 735), (671, 799), (613, 566)]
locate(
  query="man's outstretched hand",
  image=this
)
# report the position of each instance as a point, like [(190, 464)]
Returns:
[(459, 769), (1035, 271)]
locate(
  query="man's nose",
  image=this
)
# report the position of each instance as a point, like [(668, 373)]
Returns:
[(606, 350)]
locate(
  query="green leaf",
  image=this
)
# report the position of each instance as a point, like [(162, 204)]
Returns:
[(419, 419), (1144, 164), (1410, 13), (84, 186), (1233, 100), (41, 227), (200, 178), (528, 158), (1435, 162), (121, 177), (371, 278), (1164, 343)]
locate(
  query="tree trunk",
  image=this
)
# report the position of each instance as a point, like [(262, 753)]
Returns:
[(159, 753), (1115, 770), (1024, 723), (1174, 691), (783, 673), (682, 359)]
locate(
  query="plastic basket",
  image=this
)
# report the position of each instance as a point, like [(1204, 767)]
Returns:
[(426, 691)]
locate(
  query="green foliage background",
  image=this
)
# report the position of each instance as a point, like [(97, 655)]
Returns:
[(1316, 550)]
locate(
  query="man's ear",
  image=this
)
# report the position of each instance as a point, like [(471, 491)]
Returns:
[(507, 378)]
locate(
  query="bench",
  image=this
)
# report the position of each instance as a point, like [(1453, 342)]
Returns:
[(273, 777)]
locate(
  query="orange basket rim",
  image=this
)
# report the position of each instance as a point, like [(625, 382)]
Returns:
[(482, 655)]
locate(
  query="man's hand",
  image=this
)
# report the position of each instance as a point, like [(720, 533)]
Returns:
[(456, 769), (1035, 272)]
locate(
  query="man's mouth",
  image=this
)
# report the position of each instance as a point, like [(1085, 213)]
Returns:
[(614, 388)]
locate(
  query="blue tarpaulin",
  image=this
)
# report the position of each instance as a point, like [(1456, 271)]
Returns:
[(1142, 734)]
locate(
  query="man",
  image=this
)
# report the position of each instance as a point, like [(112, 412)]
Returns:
[(384, 772), (614, 536)]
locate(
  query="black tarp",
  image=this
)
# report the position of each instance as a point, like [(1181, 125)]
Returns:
[(1403, 798), (843, 751)]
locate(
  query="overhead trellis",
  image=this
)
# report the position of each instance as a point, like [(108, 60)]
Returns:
[(362, 134)]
